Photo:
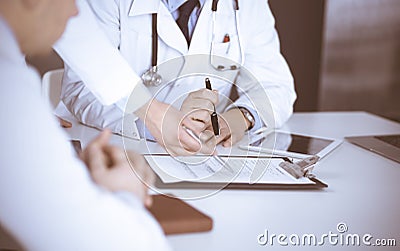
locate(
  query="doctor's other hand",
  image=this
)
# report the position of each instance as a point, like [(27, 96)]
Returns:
[(233, 126), (198, 106), (166, 124), (110, 168)]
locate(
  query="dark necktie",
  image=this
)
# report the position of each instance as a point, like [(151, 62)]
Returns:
[(183, 20)]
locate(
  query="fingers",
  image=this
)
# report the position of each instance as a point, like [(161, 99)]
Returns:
[(198, 104), (136, 164), (199, 126), (199, 115), (203, 100), (206, 143), (141, 167), (110, 168), (116, 155), (228, 142), (200, 120), (64, 123), (103, 138), (209, 142), (189, 141), (206, 136), (146, 175), (148, 201), (94, 155), (205, 94)]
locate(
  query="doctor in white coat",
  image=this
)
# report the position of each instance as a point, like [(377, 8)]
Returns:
[(249, 40)]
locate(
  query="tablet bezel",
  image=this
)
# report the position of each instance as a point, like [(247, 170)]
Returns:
[(322, 153)]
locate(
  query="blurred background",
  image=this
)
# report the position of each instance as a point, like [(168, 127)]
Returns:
[(344, 54)]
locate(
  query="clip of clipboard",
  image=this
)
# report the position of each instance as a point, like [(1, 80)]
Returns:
[(298, 169)]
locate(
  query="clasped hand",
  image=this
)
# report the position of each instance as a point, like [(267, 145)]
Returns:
[(117, 170), (169, 125), (198, 107)]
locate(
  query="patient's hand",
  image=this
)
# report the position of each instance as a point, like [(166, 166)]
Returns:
[(110, 168)]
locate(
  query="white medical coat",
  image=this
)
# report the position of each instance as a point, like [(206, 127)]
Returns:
[(127, 25)]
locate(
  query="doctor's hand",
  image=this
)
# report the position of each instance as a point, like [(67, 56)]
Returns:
[(233, 125), (110, 168), (198, 107), (166, 125)]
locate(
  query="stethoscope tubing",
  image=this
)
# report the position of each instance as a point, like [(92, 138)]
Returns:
[(153, 74)]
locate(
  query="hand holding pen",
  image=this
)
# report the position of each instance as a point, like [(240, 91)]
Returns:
[(199, 107), (232, 126), (228, 127)]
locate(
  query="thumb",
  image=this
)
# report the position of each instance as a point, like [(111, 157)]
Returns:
[(96, 157), (103, 139), (188, 123), (228, 142)]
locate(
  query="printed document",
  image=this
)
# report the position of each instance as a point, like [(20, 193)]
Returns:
[(222, 170)]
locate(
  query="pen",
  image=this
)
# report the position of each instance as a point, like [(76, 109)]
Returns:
[(274, 152), (226, 39), (214, 116)]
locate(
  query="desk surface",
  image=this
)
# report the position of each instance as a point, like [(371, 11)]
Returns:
[(362, 193)]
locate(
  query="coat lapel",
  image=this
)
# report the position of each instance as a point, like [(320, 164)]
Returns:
[(201, 37), (168, 30)]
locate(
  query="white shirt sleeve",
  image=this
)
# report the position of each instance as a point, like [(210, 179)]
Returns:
[(48, 200), (86, 49)]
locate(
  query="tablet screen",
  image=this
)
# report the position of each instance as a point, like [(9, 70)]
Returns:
[(295, 143)]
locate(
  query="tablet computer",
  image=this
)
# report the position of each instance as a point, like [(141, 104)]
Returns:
[(291, 145), (385, 145)]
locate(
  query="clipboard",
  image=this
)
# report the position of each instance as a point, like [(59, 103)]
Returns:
[(302, 167), (240, 186)]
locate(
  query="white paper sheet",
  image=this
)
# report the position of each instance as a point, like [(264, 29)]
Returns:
[(221, 170)]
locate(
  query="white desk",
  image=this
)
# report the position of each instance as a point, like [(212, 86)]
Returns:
[(363, 193)]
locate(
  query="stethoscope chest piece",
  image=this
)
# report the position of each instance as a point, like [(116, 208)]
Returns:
[(151, 77)]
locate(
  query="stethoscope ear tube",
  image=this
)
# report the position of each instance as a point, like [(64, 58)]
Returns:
[(154, 40), (151, 77), (236, 5), (214, 5)]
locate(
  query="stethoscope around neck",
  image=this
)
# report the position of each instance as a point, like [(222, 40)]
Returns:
[(152, 78)]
